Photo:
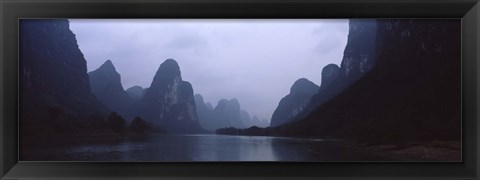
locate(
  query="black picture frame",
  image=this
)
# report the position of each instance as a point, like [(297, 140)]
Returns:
[(12, 10)]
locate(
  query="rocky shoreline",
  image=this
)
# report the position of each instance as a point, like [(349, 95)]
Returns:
[(415, 151)]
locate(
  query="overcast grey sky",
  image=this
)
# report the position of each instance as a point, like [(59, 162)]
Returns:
[(255, 61)]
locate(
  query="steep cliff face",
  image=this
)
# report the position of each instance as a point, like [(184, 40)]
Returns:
[(169, 102), (358, 59), (53, 72), (294, 103), (106, 85), (359, 54), (412, 94), (418, 42)]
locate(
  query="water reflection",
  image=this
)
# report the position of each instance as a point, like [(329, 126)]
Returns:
[(186, 148), (288, 149)]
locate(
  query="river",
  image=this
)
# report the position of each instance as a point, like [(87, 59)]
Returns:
[(186, 148)]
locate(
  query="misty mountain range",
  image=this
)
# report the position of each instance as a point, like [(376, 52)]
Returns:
[(54, 76), (136, 101), (213, 118), (399, 80)]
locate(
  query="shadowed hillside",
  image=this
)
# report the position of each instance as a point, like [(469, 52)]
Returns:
[(412, 94), (54, 84)]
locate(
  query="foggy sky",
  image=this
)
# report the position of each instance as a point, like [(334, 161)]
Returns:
[(255, 61)]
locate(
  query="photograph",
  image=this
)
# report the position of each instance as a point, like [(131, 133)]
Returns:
[(240, 90)]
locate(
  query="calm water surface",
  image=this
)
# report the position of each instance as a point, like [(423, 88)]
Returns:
[(189, 148)]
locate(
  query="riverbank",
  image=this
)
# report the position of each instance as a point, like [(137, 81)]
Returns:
[(415, 151), (81, 133)]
